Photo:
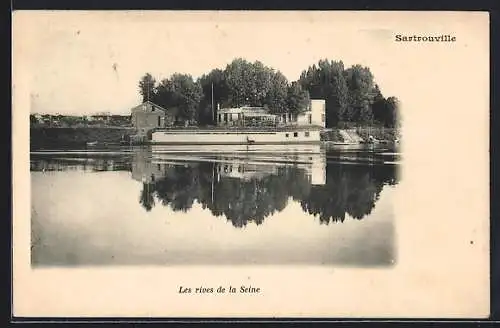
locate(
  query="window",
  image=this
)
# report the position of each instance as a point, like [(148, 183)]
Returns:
[(220, 117), (306, 133), (309, 117), (159, 121), (225, 117), (286, 135), (295, 134)]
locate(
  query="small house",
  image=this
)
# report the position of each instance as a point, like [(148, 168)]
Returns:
[(148, 116)]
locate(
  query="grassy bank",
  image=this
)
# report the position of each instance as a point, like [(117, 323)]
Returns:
[(380, 133), (388, 134), (332, 135), (52, 137)]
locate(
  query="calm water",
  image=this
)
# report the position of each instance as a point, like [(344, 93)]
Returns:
[(214, 205)]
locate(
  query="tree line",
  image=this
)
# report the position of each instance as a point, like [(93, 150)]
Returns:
[(351, 94)]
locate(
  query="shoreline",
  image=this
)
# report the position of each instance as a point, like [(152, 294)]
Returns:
[(68, 137)]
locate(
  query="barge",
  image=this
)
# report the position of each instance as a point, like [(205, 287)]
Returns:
[(236, 136)]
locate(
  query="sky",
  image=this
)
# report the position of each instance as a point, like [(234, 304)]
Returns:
[(89, 62)]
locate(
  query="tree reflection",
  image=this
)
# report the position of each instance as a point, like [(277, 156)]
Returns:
[(242, 197), (252, 200), (147, 199), (350, 189), (179, 188)]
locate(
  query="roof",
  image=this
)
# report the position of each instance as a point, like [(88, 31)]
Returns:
[(153, 104), (250, 114), (245, 110)]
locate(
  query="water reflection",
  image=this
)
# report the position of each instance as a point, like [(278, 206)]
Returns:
[(247, 189), (167, 205)]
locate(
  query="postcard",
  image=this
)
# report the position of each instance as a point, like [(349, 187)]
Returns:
[(263, 164)]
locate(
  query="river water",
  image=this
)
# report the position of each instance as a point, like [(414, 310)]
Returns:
[(165, 205)]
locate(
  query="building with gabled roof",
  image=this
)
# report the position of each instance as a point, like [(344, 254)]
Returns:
[(148, 116)]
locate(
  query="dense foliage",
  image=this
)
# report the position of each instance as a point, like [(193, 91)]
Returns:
[(351, 94)]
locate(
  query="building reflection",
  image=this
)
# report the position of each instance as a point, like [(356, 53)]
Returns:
[(313, 165), (248, 187), (143, 168), (40, 163)]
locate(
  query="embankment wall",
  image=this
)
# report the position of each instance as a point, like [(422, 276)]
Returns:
[(55, 137)]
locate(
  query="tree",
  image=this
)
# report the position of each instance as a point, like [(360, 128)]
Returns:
[(276, 97), (393, 112), (220, 95), (297, 98), (261, 83), (33, 119), (147, 199), (180, 93), (327, 81), (236, 76), (360, 85), (379, 106), (147, 87), (251, 83), (385, 111)]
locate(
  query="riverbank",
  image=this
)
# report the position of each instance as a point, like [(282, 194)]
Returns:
[(59, 137), (56, 137), (361, 133), (387, 134)]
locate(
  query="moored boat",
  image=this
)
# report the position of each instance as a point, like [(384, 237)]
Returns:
[(92, 143), (239, 136)]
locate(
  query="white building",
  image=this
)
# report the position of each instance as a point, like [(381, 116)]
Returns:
[(244, 116), (315, 115)]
